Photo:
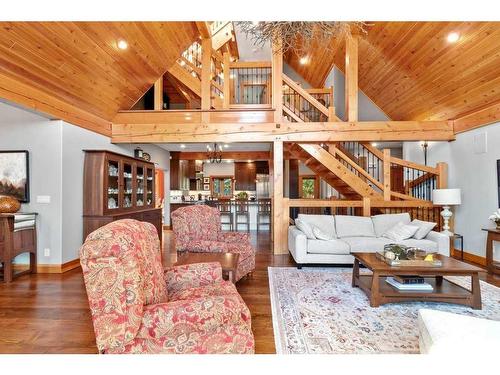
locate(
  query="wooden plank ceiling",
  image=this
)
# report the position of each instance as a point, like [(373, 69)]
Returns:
[(80, 64), (412, 72)]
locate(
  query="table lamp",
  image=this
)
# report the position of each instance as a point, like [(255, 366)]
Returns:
[(446, 198)]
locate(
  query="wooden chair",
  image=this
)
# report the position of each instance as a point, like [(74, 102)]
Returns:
[(242, 210), (263, 211), (15, 239), (225, 208)]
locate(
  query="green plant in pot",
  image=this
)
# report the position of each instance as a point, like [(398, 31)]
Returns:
[(242, 195), (496, 218)]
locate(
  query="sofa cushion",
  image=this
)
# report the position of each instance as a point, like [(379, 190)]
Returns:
[(305, 228), (327, 247), (324, 222), (400, 232), (382, 223), (354, 226), (320, 235), (427, 245), (366, 244), (424, 228)]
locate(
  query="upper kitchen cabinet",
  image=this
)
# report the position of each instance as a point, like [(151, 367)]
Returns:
[(245, 174), (262, 167)]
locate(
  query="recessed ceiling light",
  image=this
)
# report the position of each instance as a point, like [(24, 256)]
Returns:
[(374, 144), (304, 60), (183, 146), (453, 37), (122, 44)]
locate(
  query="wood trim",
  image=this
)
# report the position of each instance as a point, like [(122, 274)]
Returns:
[(137, 129), (35, 99), (250, 64), (277, 86), (477, 119), (58, 268), (336, 151), (442, 175), (351, 77), (409, 164), (158, 94), (342, 203), (227, 81), (71, 265), (469, 257), (203, 28), (206, 61), (293, 85), (234, 155), (279, 240), (291, 114)]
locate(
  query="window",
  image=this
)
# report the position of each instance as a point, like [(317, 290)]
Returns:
[(309, 187), (222, 186)]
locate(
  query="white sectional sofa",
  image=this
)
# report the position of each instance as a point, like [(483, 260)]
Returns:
[(354, 234)]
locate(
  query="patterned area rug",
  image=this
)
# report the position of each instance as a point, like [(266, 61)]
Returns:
[(315, 310)]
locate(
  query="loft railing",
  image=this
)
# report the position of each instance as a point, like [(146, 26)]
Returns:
[(250, 84)]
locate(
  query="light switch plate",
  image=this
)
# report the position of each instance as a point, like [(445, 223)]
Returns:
[(43, 199)]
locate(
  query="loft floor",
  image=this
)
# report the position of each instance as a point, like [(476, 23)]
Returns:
[(49, 313)]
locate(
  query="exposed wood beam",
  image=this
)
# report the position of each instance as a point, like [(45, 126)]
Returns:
[(206, 55), (136, 130), (35, 99), (277, 86), (477, 119), (203, 29), (351, 78), (158, 94), (233, 155)]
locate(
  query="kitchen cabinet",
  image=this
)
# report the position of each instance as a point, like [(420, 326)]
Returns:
[(245, 175), (179, 173), (262, 167)]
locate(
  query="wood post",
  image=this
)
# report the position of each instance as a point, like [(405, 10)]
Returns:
[(331, 113), (367, 206), (442, 175), (278, 246), (351, 78), (387, 174), (158, 94), (277, 74), (206, 62), (227, 80)]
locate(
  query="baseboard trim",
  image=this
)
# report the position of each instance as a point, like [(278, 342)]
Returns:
[(456, 253), (58, 268), (167, 227)]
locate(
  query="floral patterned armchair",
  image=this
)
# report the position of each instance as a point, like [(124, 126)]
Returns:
[(197, 228), (137, 307)]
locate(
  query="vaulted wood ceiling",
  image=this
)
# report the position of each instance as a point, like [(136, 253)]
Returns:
[(80, 64), (412, 72)]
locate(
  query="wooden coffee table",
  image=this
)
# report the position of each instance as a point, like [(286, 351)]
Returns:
[(228, 261), (380, 292)]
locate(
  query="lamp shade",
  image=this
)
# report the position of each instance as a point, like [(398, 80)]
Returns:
[(446, 197)]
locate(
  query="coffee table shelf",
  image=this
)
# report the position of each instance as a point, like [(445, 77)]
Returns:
[(380, 292)]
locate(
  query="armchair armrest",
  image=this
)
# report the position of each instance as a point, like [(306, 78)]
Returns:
[(442, 240), (206, 314), (192, 276), (233, 237), (297, 244)]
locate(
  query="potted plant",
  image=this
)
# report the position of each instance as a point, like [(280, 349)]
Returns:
[(496, 218)]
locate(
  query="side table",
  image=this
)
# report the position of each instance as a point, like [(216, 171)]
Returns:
[(455, 237), (493, 235)]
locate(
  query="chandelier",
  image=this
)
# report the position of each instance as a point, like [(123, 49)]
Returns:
[(214, 154), (299, 37)]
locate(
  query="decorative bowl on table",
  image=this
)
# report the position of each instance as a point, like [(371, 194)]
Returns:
[(401, 255), (9, 205)]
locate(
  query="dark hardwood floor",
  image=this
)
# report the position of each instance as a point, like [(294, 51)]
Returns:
[(48, 313)]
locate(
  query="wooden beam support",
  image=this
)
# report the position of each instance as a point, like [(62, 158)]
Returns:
[(279, 245), (442, 175), (231, 155), (477, 119), (277, 87), (206, 61), (203, 29), (158, 94), (227, 81), (351, 78), (143, 128), (367, 208), (387, 174), (30, 97)]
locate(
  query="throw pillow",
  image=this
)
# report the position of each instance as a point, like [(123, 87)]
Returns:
[(320, 235), (305, 228), (424, 228), (400, 232)]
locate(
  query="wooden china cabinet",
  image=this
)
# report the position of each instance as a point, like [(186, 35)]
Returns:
[(118, 187)]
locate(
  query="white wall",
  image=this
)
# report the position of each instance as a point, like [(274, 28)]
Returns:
[(218, 169), (475, 174), (56, 169), (290, 72), (368, 111)]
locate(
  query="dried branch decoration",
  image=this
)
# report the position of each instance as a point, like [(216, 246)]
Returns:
[(299, 37)]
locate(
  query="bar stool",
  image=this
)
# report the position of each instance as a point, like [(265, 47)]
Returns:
[(242, 210), (225, 208), (263, 210)]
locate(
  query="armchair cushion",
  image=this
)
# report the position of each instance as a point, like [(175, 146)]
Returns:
[(238, 237), (222, 288)]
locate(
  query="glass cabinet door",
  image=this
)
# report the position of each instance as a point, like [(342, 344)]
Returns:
[(112, 186), (127, 185), (149, 186), (139, 186)]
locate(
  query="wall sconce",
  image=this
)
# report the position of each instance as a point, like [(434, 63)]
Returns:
[(424, 145)]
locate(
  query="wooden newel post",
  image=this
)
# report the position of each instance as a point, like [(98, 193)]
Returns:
[(158, 94), (387, 174), (367, 206), (277, 79), (351, 78), (442, 175), (227, 80), (278, 245)]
